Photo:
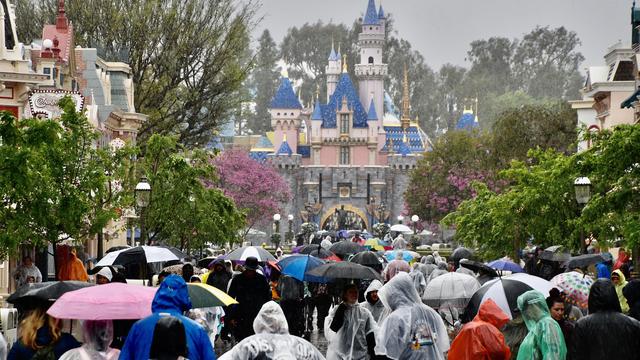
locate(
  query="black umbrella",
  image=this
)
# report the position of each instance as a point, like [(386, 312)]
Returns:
[(478, 266), (345, 247), (117, 248), (582, 261), (555, 253), (44, 292), (367, 258), (316, 250), (205, 262), (344, 270), (461, 253)]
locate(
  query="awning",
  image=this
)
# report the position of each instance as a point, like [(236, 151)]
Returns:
[(630, 100)]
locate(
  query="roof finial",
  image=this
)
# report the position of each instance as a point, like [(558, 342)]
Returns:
[(317, 92), (284, 137), (344, 63), (61, 20), (406, 116)]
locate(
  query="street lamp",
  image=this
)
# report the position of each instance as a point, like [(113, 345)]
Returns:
[(582, 186), (276, 230), (289, 230), (143, 197), (414, 220), (400, 219)]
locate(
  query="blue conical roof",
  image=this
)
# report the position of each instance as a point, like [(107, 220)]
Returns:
[(467, 121), (381, 13), (344, 89), (372, 116), (371, 15), (263, 143), (334, 55), (404, 149), (317, 111), (284, 149), (285, 98)]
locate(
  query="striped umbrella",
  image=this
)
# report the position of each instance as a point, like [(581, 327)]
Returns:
[(203, 295), (241, 254)]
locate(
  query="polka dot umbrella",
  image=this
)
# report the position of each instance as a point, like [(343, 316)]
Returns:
[(574, 286)]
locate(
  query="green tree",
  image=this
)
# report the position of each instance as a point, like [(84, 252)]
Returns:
[(182, 211), (54, 184), (187, 57), (264, 82)]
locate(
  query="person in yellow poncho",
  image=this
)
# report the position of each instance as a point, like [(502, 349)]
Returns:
[(620, 281), (73, 268)]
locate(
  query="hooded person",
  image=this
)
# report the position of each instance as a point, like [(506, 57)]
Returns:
[(399, 243), (279, 253), (218, 277), (603, 269), (632, 293), (73, 268), (349, 328), (544, 339), (419, 281), (104, 276), (272, 340), (441, 270), (171, 299), (620, 281), (396, 266), (372, 301), (605, 333), (437, 258), (481, 338), (412, 330), (98, 335)]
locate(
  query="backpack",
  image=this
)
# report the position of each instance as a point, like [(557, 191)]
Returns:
[(45, 353)]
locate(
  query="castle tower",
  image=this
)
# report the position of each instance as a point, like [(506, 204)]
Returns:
[(371, 71), (333, 70), (405, 120), (285, 112)]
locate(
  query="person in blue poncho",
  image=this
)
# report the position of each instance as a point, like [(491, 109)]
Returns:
[(172, 299)]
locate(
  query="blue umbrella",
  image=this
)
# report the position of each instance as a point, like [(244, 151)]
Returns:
[(505, 265), (391, 255), (296, 266)]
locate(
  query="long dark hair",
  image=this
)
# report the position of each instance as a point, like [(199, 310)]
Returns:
[(169, 339)]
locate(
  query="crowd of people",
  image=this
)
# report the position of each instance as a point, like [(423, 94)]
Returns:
[(385, 318)]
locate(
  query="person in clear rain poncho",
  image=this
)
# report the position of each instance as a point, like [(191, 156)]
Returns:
[(372, 301), (441, 270), (545, 339), (412, 330), (98, 335), (419, 281), (349, 328), (272, 340)]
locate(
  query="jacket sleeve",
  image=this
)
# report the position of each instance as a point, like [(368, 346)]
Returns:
[(128, 351), (206, 349)]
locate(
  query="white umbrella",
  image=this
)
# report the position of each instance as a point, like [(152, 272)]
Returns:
[(138, 255), (241, 254), (401, 228), (451, 288)]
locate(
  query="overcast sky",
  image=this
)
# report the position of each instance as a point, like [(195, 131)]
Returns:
[(442, 29)]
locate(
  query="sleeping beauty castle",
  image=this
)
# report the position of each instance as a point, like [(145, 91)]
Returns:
[(351, 154)]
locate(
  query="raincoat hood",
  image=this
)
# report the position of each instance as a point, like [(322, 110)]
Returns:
[(623, 279), (270, 320), (490, 312), (533, 307), (98, 334), (603, 297), (632, 291), (429, 259), (375, 285), (442, 265), (172, 296), (399, 292)]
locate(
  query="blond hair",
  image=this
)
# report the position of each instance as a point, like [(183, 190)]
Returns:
[(34, 321)]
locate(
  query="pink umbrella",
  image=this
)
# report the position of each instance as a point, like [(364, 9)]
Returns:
[(105, 302)]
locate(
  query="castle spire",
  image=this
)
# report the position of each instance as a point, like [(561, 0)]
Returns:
[(406, 116), (62, 23), (344, 63)]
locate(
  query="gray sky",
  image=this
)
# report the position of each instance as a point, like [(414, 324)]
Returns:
[(442, 29)]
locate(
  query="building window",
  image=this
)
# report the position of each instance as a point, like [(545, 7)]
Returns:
[(46, 71), (344, 124), (344, 155), (370, 59)]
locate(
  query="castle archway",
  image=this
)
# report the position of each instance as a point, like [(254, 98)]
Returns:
[(356, 219)]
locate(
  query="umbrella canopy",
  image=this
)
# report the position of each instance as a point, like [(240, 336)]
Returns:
[(555, 253), (505, 291), (297, 267), (177, 252), (116, 248), (315, 250), (367, 258), (451, 288), (582, 261), (574, 286), (344, 270), (374, 244), (205, 262), (44, 292), (346, 248), (241, 254), (406, 255), (401, 228), (461, 253), (105, 302), (505, 265), (177, 269), (203, 296), (478, 266), (138, 255)]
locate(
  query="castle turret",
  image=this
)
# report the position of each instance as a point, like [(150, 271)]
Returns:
[(333, 70), (285, 111), (371, 71)]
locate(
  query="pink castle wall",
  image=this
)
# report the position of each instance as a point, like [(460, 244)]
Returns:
[(360, 155), (328, 155)]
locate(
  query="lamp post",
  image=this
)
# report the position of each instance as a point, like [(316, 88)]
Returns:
[(414, 220), (289, 238), (276, 230), (143, 197), (400, 219), (582, 186)]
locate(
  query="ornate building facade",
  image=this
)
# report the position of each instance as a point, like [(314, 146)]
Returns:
[(353, 151)]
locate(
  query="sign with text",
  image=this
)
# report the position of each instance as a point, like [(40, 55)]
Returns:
[(44, 103)]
